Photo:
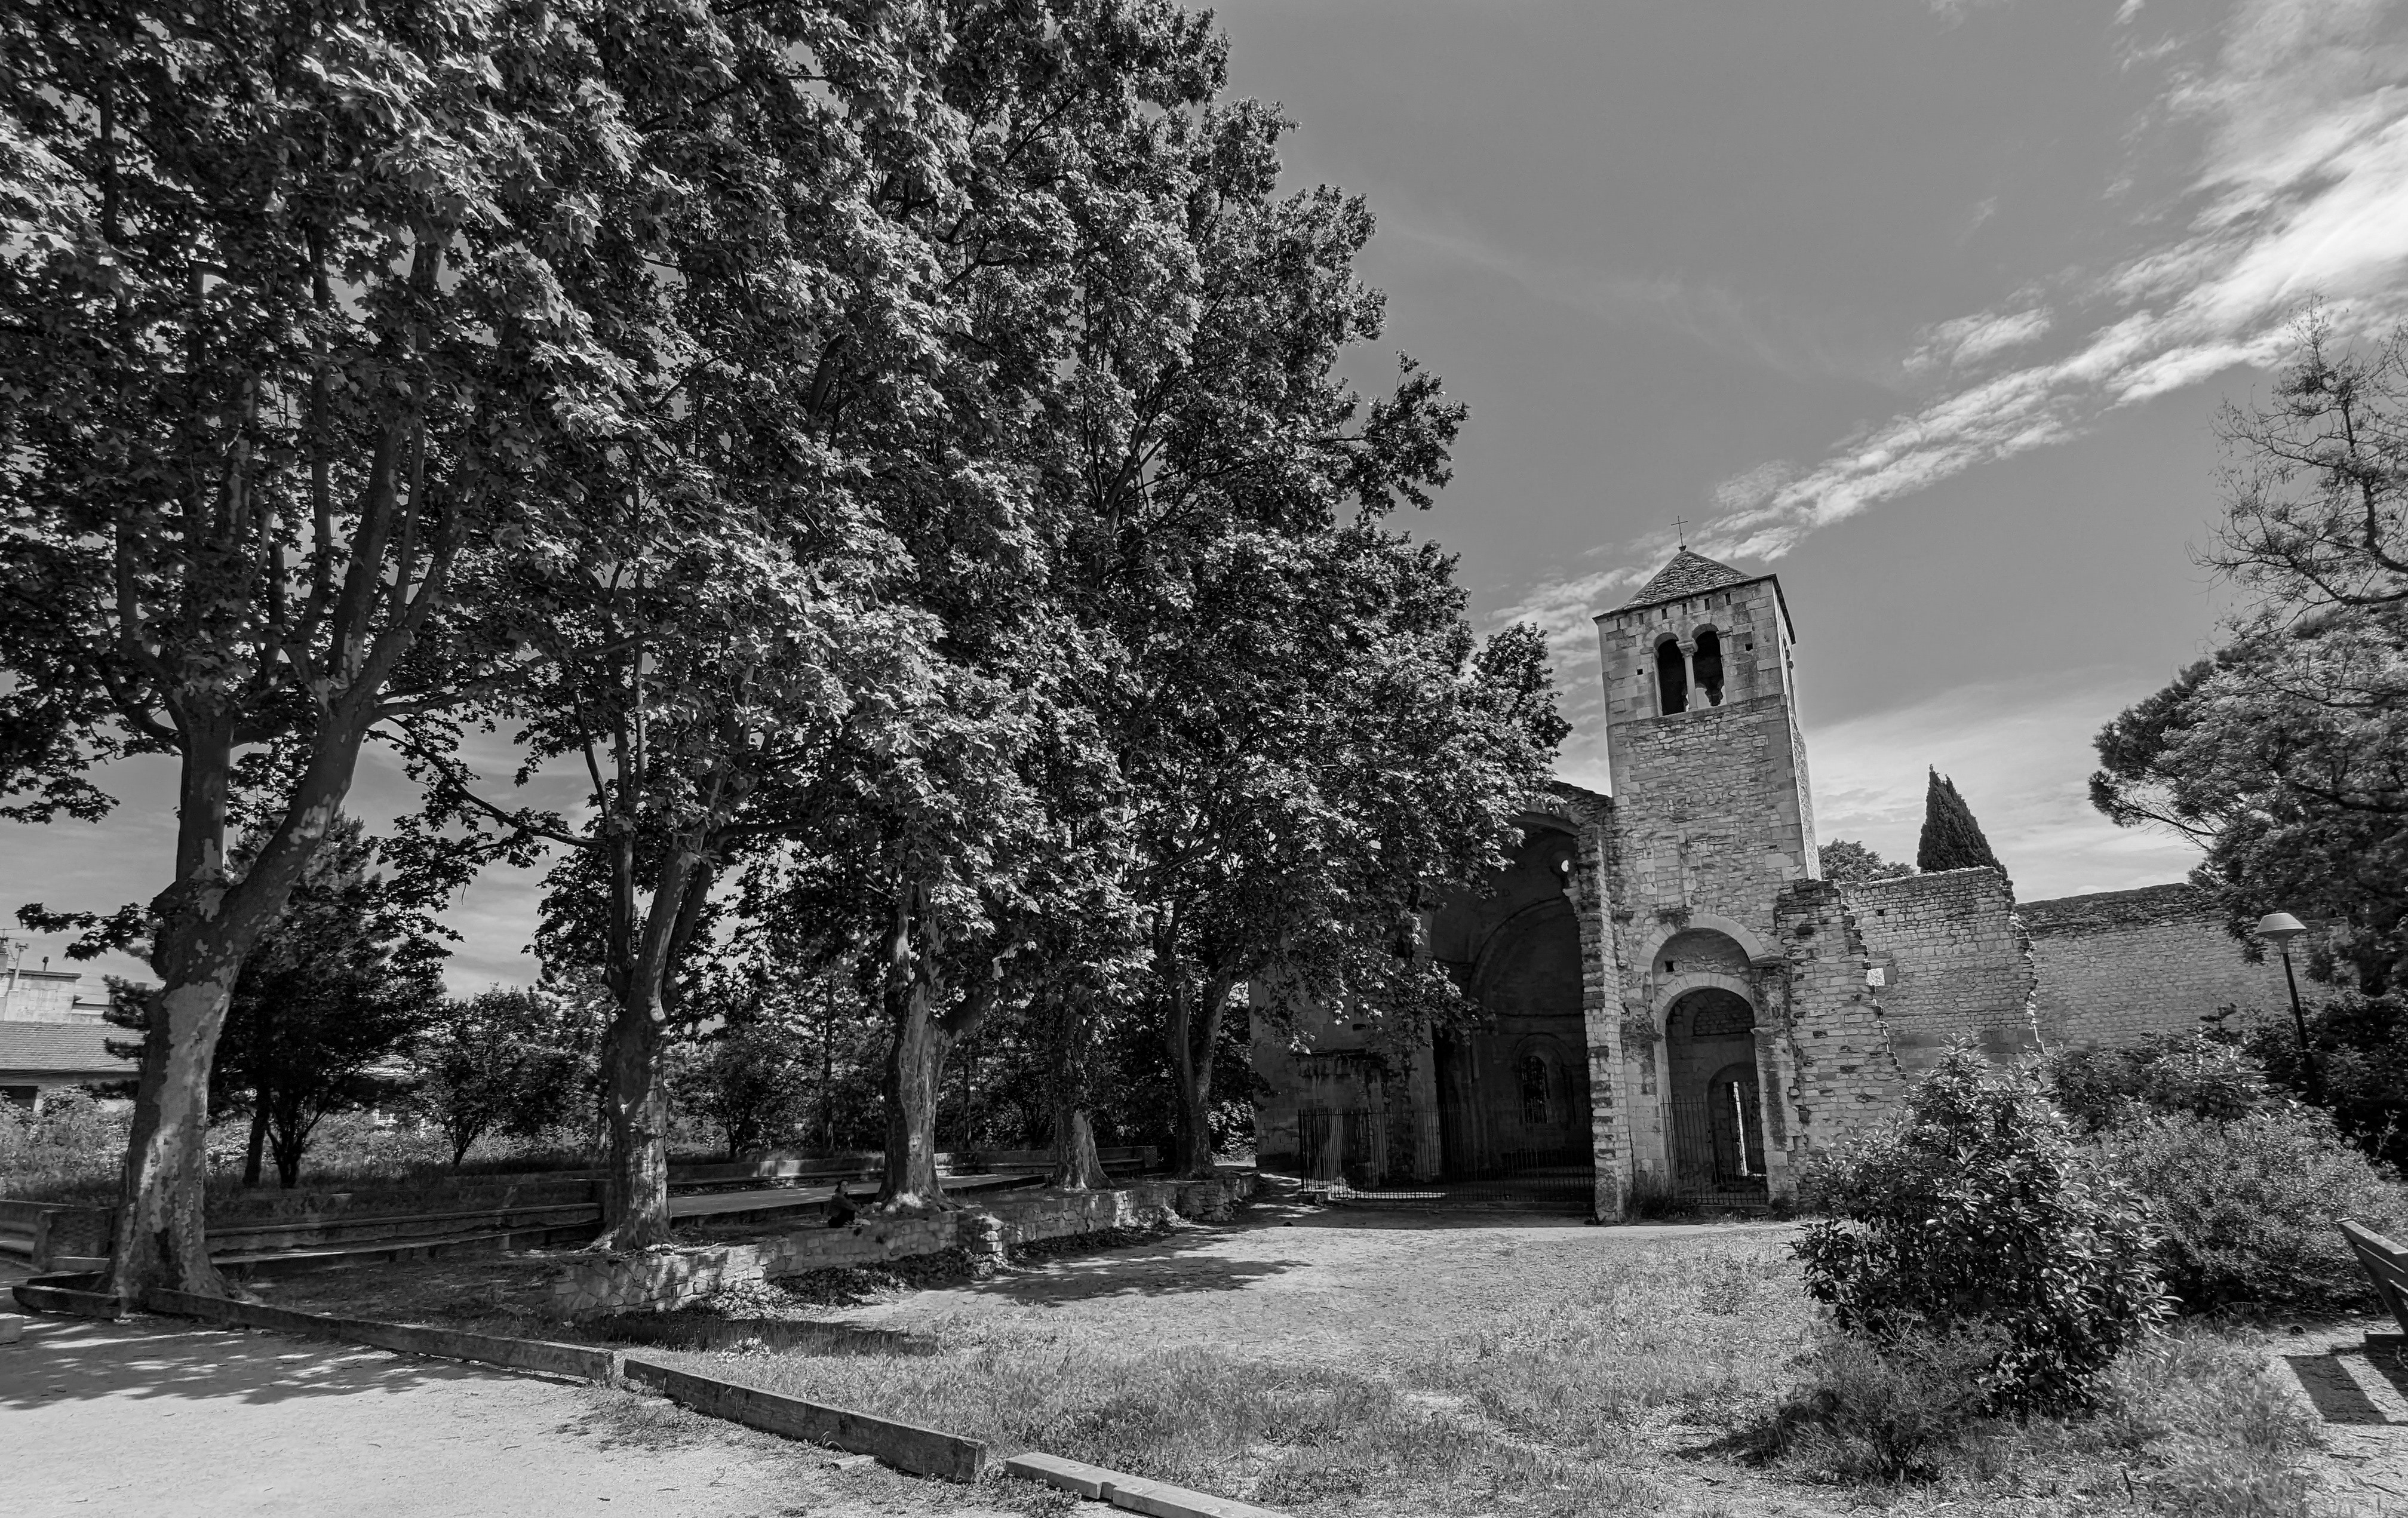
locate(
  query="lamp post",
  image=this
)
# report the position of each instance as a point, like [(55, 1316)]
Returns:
[(2279, 929)]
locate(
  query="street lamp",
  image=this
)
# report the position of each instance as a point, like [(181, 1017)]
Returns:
[(2279, 929)]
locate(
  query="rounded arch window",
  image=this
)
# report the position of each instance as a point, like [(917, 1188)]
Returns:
[(1710, 665), (1671, 679)]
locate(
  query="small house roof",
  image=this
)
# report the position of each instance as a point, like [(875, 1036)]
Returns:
[(79, 1048)]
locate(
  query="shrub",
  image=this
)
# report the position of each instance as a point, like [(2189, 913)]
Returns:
[(67, 1147), (1650, 1197), (2361, 1047), (2197, 1074), (1973, 1212), (2247, 1206), (1901, 1409)]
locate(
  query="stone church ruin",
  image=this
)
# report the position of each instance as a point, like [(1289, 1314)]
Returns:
[(1670, 996)]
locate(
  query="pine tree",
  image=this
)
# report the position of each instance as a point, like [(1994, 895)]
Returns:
[(1952, 840)]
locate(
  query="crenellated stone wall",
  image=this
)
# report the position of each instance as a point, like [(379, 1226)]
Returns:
[(2119, 965)]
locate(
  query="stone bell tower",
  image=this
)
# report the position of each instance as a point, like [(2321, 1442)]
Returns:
[(1711, 809), (1712, 821)]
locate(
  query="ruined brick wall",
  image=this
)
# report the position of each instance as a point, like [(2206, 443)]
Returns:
[(1952, 960), (1843, 1074), (2118, 965)]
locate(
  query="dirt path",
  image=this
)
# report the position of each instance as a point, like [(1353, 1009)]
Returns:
[(145, 1418), (2362, 1401)]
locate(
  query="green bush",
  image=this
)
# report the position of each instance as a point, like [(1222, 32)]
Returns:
[(2198, 1074), (1973, 1212), (2247, 1207), (2361, 1050), (68, 1147), (1909, 1408)]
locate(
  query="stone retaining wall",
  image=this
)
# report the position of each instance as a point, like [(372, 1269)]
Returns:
[(662, 1279)]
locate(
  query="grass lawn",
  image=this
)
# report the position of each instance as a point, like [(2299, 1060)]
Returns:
[(1369, 1365)]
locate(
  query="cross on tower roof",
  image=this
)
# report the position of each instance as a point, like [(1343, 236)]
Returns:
[(1681, 529)]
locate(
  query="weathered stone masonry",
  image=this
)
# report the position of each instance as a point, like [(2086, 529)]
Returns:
[(1737, 1012), (2119, 965)]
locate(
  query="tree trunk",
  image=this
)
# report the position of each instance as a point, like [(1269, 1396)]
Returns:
[(205, 929), (288, 1138), (635, 1175), (258, 1137), (161, 1230), (1193, 1032), (635, 1105), (1077, 1166), (915, 1055), (915, 1059), (912, 1061)]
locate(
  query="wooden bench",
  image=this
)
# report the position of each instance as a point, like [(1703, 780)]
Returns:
[(2386, 1264)]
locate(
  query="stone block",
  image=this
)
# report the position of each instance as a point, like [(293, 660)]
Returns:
[(13, 1327)]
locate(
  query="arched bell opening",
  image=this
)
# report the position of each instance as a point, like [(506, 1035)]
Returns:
[(1708, 663), (1671, 679)]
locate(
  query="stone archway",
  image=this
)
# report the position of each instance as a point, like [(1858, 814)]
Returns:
[(1712, 1098), (1513, 1089)]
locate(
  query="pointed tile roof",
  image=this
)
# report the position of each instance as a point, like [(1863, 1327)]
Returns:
[(1686, 575)]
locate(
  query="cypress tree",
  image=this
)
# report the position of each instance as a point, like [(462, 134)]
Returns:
[(1952, 840)]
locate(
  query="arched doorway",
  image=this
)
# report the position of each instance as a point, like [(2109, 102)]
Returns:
[(1514, 1095), (1711, 1096)]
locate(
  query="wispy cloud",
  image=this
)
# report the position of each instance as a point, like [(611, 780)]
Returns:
[(1969, 340), (2020, 751), (2300, 190), (1713, 315)]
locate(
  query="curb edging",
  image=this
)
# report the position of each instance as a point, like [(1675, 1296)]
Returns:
[(1136, 1494), (923, 1451), (908, 1446)]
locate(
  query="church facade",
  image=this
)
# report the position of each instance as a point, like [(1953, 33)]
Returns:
[(1670, 996)]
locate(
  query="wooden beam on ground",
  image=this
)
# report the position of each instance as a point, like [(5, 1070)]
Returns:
[(1136, 1494), (923, 1452)]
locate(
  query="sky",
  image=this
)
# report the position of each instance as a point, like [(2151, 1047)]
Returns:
[(1926, 305)]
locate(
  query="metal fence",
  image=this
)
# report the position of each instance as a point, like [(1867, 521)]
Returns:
[(1717, 1148), (1399, 1153)]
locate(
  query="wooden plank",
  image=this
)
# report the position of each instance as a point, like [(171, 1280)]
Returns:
[(923, 1451), (2387, 1266), (1136, 1494)]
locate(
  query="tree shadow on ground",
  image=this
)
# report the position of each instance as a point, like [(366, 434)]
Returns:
[(71, 1359), (1171, 1265)]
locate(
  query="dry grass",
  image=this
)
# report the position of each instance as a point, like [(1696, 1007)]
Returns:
[(1668, 1378)]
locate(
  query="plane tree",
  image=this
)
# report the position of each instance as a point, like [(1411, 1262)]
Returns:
[(290, 323), (805, 603)]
